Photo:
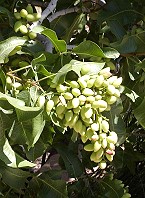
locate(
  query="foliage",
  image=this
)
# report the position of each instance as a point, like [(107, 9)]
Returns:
[(39, 56)]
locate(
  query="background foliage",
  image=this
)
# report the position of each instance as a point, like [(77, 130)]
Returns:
[(110, 33)]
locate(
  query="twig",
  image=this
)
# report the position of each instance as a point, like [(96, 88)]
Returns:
[(46, 77), (32, 83), (70, 47), (62, 12), (17, 70), (50, 8), (46, 42), (43, 39)]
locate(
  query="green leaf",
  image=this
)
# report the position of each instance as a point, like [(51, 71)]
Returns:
[(111, 188), (116, 121), (79, 20), (131, 94), (117, 14), (91, 49), (44, 186), (130, 43), (23, 112), (16, 160), (118, 161), (131, 156), (8, 13), (38, 29), (15, 178), (42, 70), (38, 124), (2, 77), (25, 96), (8, 45), (139, 113), (37, 151), (6, 152), (59, 45), (38, 59), (76, 66), (110, 52), (38, 62), (72, 163), (27, 132), (88, 49), (6, 121)]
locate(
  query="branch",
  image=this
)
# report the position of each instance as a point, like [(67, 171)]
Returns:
[(62, 12), (46, 42), (50, 8), (70, 47)]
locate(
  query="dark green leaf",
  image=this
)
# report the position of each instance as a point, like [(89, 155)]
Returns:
[(117, 14), (131, 94), (15, 178), (44, 187), (37, 151), (27, 132), (6, 152), (139, 113), (72, 163), (8, 13), (111, 188), (15, 159), (110, 52), (116, 121), (130, 43), (79, 20)]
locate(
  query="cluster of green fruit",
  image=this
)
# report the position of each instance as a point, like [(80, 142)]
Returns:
[(13, 85), (25, 18), (80, 104)]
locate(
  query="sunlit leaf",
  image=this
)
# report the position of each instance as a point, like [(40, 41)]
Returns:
[(76, 66), (8, 45), (59, 45), (23, 112)]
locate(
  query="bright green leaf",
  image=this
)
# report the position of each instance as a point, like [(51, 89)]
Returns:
[(8, 45), (76, 66), (59, 45), (88, 49), (23, 112)]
